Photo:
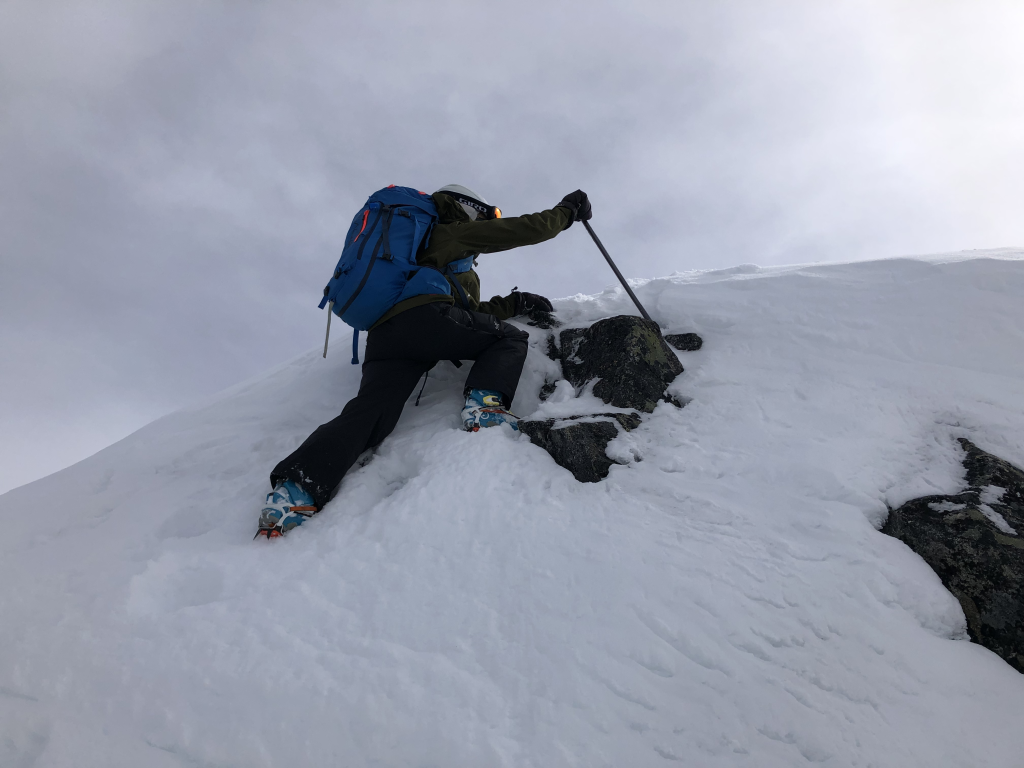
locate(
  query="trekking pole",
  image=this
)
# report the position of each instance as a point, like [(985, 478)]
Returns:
[(327, 338), (617, 273)]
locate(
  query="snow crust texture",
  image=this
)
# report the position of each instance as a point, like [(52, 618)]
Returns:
[(723, 599)]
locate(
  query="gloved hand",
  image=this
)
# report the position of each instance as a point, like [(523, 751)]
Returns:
[(579, 204), (527, 302)]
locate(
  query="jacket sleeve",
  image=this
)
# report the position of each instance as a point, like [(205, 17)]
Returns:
[(496, 235), (502, 307), (455, 240)]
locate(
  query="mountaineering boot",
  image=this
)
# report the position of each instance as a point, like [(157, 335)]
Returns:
[(484, 408), (288, 505)]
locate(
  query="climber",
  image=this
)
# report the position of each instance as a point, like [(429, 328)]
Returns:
[(414, 335)]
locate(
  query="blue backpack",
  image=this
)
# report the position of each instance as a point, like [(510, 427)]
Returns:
[(378, 268)]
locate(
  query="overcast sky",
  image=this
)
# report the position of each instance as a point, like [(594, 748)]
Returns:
[(176, 177)]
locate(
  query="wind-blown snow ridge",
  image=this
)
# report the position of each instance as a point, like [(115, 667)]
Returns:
[(725, 600)]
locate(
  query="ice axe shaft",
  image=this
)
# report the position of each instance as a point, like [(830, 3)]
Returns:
[(618, 274)]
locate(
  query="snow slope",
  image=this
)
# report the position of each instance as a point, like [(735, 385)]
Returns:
[(723, 600)]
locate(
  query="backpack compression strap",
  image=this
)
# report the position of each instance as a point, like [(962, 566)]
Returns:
[(457, 268), (454, 268)]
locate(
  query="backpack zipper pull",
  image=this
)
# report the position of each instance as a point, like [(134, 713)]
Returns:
[(330, 311)]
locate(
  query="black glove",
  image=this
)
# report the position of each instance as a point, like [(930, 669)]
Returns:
[(527, 302), (579, 204)]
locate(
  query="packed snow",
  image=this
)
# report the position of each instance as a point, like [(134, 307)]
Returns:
[(721, 599)]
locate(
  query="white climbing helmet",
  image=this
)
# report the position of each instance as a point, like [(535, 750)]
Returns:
[(472, 202)]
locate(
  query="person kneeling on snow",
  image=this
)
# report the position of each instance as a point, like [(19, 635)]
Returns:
[(413, 336)]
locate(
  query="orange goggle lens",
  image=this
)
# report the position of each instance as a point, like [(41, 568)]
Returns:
[(497, 212)]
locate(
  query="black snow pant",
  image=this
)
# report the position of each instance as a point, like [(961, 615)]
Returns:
[(398, 353)]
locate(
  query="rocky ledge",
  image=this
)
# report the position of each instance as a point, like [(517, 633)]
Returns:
[(627, 355), (685, 342), (632, 366), (974, 541), (579, 443)]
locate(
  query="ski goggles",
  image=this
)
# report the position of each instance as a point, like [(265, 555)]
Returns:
[(476, 209)]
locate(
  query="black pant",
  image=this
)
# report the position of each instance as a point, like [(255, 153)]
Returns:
[(398, 353)]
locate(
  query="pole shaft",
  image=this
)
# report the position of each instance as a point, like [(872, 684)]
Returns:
[(618, 274), (327, 338)]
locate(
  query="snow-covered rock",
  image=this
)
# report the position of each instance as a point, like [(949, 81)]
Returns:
[(972, 540), (722, 599), (580, 443), (624, 359)]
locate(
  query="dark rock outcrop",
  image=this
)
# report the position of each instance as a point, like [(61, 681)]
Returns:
[(974, 541), (627, 354), (553, 352), (538, 318), (685, 342), (634, 365), (580, 447)]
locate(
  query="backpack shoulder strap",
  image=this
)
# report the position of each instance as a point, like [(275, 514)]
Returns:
[(458, 267)]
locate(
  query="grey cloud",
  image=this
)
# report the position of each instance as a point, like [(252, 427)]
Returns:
[(177, 176)]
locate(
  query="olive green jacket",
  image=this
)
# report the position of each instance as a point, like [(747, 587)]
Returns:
[(455, 237)]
